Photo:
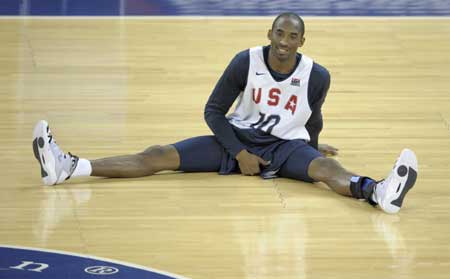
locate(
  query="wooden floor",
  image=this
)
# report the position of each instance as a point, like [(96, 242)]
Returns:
[(116, 86)]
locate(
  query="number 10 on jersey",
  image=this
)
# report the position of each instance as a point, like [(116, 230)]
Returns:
[(270, 121)]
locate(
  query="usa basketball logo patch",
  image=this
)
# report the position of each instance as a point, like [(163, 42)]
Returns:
[(295, 82)]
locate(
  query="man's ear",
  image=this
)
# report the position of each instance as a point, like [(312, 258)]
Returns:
[(302, 41), (269, 33)]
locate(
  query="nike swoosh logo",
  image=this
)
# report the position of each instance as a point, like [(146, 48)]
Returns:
[(260, 74)]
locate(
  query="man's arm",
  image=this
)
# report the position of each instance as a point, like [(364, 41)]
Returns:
[(227, 89), (317, 92)]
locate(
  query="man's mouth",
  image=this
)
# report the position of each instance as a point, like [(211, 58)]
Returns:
[(282, 51)]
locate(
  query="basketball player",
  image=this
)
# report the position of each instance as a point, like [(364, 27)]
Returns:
[(273, 131)]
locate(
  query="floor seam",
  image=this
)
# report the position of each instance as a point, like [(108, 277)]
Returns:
[(278, 193)]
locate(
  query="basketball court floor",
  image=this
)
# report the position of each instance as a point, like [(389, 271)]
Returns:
[(114, 86)]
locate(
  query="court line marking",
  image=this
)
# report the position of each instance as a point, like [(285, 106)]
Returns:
[(96, 258)]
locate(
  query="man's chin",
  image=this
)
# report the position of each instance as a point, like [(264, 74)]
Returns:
[(282, 57)]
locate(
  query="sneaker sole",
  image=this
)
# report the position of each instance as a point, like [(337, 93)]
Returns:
[(43, 154), (406, 176)]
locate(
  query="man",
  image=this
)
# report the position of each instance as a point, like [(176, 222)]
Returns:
[(273, 131)]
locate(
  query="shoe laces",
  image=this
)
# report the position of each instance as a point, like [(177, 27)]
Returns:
[(60, 154), (74, 159), (54, 146), (379, 183), (382, 184)]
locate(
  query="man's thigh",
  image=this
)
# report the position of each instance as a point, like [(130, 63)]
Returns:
[(296, 166), (200, 154)]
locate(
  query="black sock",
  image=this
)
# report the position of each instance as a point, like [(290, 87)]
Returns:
[(362, 188)]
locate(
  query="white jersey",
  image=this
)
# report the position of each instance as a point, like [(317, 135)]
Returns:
[(278, 108)]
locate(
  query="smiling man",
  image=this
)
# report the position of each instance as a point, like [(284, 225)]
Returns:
[(273, 132)]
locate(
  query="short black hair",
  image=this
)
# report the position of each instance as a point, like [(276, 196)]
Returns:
[(293, 16)]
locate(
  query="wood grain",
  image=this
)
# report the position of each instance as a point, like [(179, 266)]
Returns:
[(117, 86)]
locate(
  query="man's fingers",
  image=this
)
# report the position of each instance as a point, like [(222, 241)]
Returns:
[(249, 170), (333, 148), (250, 164), (255, 170), (263, 162)]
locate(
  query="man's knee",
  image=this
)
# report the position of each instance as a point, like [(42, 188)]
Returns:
[(160, 157), (147, 157), (154, 150)]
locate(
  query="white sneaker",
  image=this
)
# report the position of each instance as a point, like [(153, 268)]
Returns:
[(389, 193), (56, 166)]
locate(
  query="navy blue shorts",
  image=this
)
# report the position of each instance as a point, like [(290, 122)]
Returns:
[(289, 158)]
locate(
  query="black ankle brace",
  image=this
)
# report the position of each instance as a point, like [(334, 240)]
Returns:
[(359, 193)]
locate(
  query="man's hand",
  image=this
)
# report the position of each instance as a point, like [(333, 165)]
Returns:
[(249, 163), (328, 150)]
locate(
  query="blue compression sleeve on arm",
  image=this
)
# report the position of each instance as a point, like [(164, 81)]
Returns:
[(317, 92)]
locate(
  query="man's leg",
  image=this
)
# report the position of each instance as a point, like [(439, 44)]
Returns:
[(195, 154), (152, 160), (307, 164), (332, 173), (198, 154)]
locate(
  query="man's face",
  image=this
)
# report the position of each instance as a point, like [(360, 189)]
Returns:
[(285, 38)]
